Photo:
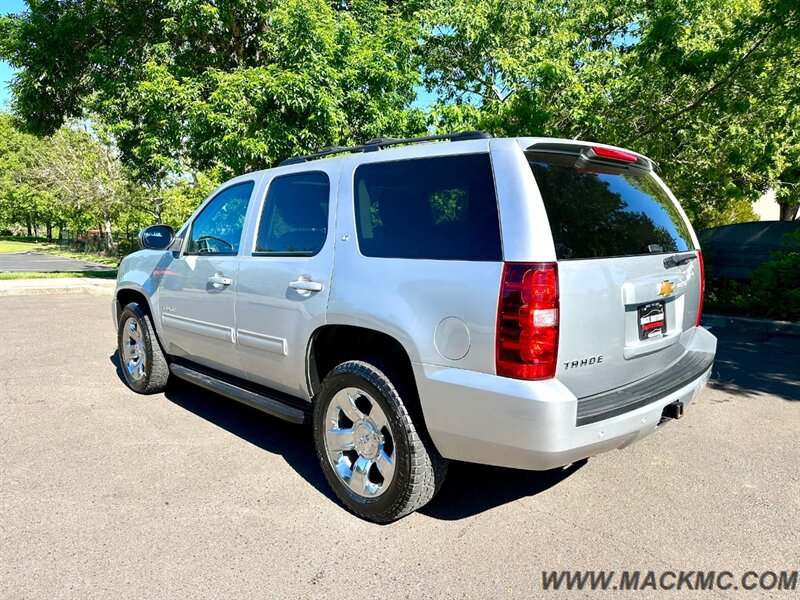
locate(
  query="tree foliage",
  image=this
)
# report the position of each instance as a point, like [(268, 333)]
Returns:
[(197, 90), (21, 201), (225, 85), (71, 180), (707, 89)]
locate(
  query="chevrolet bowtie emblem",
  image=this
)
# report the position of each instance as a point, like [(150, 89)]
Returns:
[(666, 289)]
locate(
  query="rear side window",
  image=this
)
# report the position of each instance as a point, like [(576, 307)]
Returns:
[(433, 208), (294, 221), (599, 211)]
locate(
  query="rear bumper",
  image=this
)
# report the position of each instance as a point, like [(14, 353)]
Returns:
[(494, 420)]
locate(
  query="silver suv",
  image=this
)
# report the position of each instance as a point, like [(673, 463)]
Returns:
[(523, 302)]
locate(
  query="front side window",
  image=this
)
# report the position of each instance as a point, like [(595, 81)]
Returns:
[(218, 229), (294, 221), (441, 208)]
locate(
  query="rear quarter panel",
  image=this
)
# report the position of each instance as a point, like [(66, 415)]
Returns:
[(409, 298)]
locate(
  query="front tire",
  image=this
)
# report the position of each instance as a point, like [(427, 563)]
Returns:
[(142, 361), (376, 460)]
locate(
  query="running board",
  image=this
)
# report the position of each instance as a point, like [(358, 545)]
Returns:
[(268, 404)]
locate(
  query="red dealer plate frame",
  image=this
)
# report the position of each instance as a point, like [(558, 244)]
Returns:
[(651, 320)]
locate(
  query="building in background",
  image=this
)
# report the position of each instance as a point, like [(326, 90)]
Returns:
[(767, 208)]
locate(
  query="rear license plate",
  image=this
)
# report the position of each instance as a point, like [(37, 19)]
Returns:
[(652, 321)]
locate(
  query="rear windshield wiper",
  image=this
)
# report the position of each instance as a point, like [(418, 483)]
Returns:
[(679, 259)]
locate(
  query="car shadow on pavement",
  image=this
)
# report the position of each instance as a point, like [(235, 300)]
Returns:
[(749, 363), (469, 489), (276, 436)]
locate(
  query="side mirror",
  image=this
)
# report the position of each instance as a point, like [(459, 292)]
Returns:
[(156, 237)]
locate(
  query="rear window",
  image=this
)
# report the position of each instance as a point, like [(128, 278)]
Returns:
[(599, 211), (436, 208)]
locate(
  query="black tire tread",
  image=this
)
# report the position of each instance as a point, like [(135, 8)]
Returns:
[(428, 467), (158, 367)]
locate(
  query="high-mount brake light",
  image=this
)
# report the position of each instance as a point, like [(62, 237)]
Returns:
[(527, 321), (614, 154), (702, 287)]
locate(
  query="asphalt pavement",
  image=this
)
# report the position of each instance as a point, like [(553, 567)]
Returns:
[(108, 494), (38, 262)]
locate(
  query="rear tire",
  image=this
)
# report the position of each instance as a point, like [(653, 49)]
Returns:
[(142, 361), (370, 450)]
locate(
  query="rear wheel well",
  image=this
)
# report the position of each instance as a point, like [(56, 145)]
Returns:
[(332, 345)]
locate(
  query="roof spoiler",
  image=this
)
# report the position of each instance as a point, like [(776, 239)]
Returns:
[(595, 153)]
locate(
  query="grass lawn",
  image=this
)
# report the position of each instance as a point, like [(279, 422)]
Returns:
[(7, 245), (59, 275)]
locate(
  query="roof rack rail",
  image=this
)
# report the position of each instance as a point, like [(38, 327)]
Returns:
[(383, 142)]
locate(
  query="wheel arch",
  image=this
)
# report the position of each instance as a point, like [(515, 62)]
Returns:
[(333, 344), (126, 295)]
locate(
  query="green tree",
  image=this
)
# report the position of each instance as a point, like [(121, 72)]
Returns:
[(227, 86), (707, 89), (84, 172), (22, 202)]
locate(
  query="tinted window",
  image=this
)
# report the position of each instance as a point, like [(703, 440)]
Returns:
[(295, 215), (438, 208), (218, 229), (601, 211)]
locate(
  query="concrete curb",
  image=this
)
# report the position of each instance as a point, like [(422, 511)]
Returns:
[(750, 324), (66, 285)]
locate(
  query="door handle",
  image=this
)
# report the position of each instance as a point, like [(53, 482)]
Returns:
[(305, 284), (219, 281)]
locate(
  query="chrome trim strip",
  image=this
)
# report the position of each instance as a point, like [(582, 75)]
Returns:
[(260, 341), (645, 289), (212, 330)]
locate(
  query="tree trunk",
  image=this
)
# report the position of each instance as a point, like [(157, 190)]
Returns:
[(49, 231), (158, 205), (28, 223), (789, 211), (35, 230), (109, 239)]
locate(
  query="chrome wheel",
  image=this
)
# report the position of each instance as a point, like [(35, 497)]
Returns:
[(359, 442), (134, 354)]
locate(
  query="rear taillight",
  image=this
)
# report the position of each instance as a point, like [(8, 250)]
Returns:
[(527, 321), (702, 287)]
